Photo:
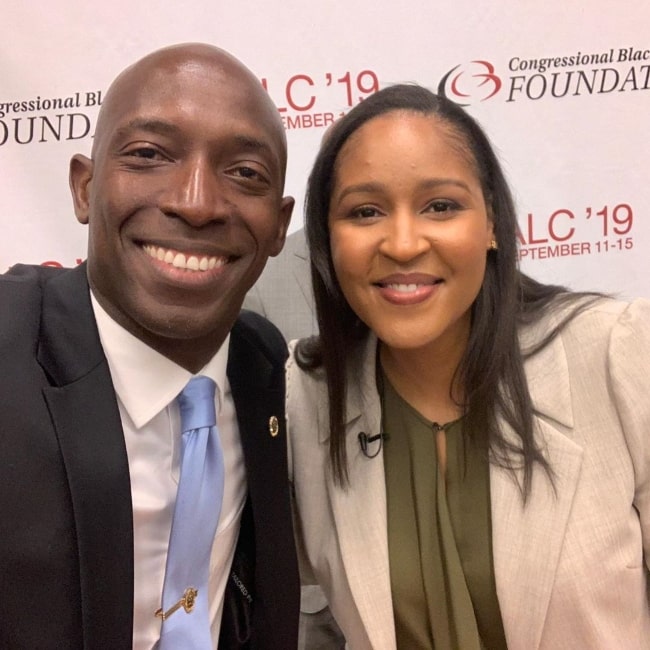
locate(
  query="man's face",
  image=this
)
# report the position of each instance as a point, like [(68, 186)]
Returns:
[(184, 202)]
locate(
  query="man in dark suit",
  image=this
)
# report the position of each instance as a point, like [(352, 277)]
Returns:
[(183, 200)]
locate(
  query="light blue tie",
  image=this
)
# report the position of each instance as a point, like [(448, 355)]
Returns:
[(186, 620)]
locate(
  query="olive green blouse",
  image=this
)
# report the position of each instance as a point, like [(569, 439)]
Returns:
[(439, 534)]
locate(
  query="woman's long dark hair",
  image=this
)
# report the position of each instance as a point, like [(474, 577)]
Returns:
[(491, 371)]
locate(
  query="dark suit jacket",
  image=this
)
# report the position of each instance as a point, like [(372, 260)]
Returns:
[(66, 542)]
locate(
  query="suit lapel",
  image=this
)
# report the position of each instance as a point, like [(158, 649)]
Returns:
[(264, 548), (86, 419), (360, 510), (524, 567), (258, 392)]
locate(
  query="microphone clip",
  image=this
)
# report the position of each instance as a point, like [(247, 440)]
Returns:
[(365, 441)]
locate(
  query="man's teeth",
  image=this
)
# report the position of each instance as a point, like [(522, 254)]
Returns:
[(403, 288), (182, 261)]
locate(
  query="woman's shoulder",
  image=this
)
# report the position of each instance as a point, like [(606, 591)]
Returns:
[(305, 354), (304, 385), (300, 367), (586, 317), (307, 381)]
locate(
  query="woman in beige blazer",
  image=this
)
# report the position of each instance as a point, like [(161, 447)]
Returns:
[(469, 449)]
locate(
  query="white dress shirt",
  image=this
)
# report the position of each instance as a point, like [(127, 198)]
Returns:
[(147, 384)]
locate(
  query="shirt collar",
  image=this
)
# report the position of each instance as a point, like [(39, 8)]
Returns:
[(145, 381)]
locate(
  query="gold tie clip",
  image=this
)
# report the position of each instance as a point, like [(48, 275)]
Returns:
[(186, 602)]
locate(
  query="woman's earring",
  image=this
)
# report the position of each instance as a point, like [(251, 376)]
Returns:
[(493, 245)]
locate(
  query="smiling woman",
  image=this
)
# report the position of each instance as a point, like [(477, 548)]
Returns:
[(409, 232), (458, 430)]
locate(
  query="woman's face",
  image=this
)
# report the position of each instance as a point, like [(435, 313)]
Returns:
[(409, 230)]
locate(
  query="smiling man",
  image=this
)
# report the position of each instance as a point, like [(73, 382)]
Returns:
[(183, 200)]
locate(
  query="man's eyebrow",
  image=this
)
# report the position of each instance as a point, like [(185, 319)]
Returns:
[(249, 143), (159, 127)]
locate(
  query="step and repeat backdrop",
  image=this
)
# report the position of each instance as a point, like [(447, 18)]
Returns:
[(563, 90)]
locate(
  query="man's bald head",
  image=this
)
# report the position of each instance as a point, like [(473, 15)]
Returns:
[(216, 66), (183, 197)]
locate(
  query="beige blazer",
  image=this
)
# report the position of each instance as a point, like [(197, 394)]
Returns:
[(571, 566)]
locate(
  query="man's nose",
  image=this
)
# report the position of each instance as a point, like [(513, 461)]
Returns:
[(195, 193)]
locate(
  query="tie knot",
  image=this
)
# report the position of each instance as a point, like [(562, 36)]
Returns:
[(196, 402)]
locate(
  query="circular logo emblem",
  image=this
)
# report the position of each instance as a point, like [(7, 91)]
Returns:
[(470, 82)]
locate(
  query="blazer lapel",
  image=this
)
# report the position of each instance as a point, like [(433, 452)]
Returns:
[(360, 510), (524, 568), (527, 538), (86, 419)]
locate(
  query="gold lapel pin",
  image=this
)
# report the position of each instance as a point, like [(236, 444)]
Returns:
[(274, 427)]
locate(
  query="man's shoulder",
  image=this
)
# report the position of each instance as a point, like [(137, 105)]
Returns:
[(21, 276), (253, 329), (24, 293), (25, 282), (21, 289)]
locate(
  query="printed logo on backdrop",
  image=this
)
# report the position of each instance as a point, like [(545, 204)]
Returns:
[(316, 100), (577, 231), (40, 119), (305, 101), (550, 77), (471, 82), (569, 231)]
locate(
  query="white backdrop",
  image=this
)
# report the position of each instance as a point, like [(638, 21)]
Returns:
[(563, 90)]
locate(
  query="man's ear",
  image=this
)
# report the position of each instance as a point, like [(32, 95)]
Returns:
[(284, 218), (81, 174)]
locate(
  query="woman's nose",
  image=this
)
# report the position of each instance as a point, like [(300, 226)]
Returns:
[(403, 238)]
